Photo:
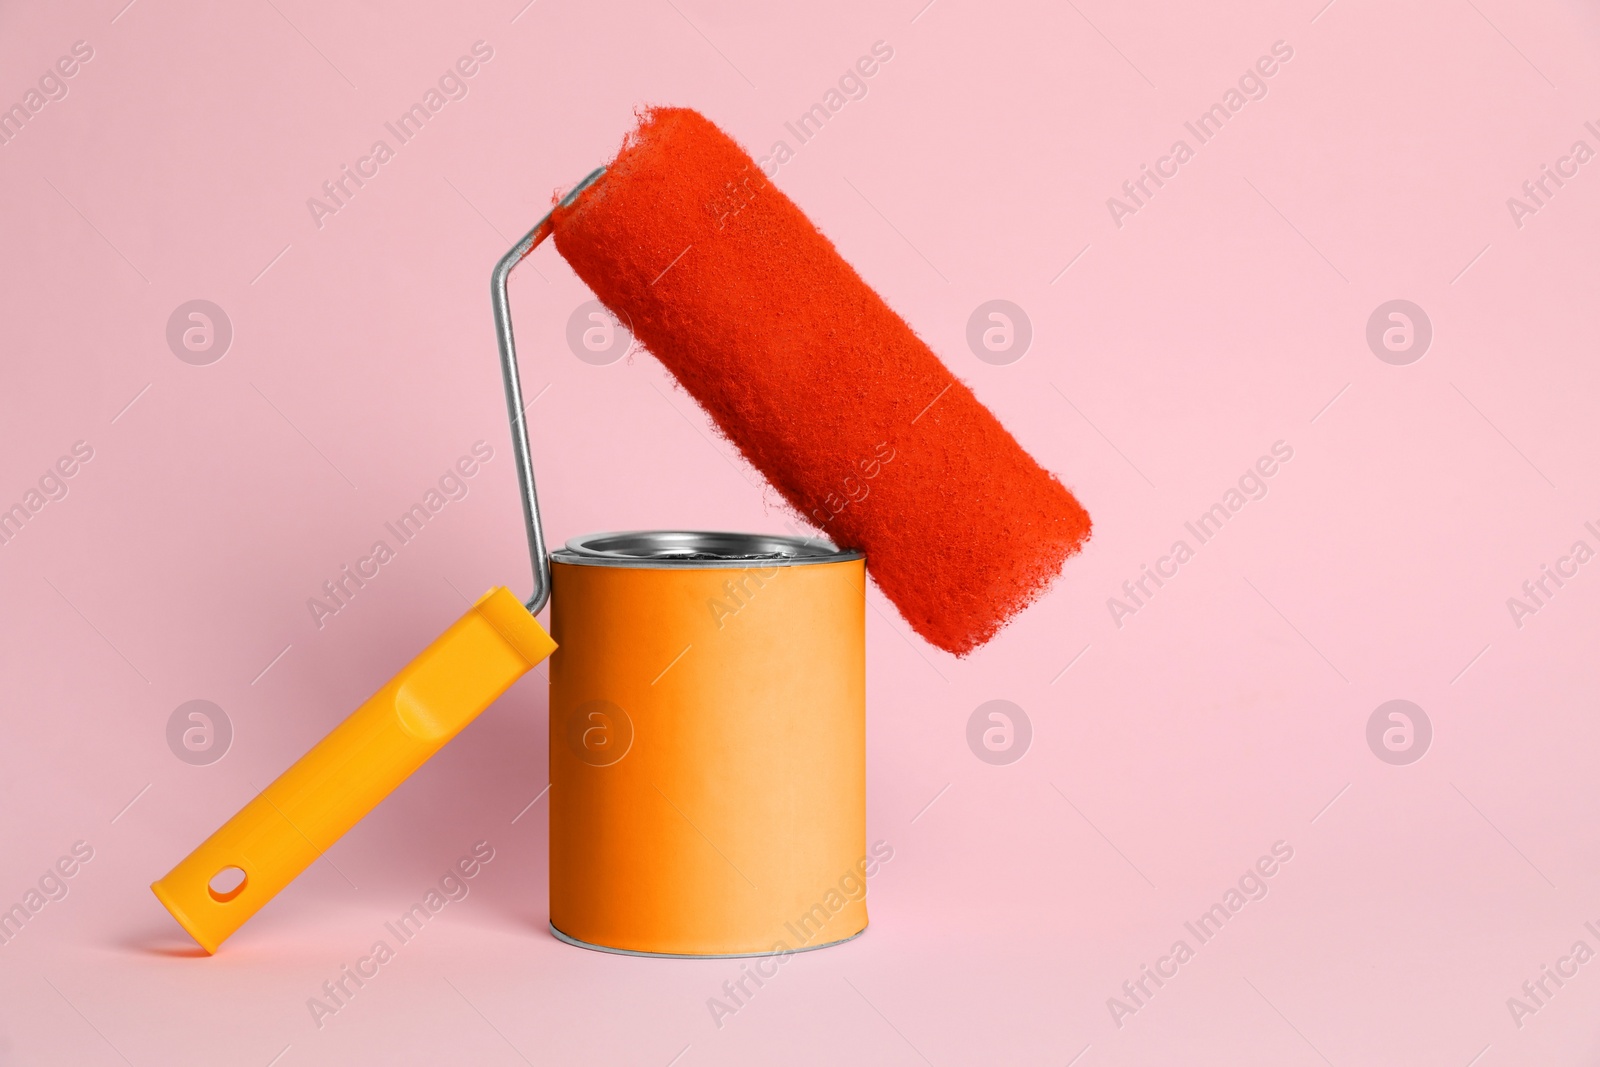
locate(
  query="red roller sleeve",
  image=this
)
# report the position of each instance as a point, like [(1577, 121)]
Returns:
[(817, 382)]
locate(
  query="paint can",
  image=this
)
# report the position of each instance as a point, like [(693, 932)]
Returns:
[(707, 743)]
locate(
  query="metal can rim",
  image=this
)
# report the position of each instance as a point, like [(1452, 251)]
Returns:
[(699, 549)]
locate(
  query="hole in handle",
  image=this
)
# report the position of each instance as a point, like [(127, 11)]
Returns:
[(227, 884)]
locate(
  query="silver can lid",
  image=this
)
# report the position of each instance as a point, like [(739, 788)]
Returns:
[(698, 548)]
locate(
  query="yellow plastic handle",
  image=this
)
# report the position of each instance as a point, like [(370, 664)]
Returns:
[(328, 790)]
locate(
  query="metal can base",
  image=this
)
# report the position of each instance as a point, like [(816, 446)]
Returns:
[(690, 955)]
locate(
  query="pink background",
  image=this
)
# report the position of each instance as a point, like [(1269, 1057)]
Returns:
[(1225, 716)]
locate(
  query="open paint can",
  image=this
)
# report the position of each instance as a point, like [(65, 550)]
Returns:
[(707, 743)]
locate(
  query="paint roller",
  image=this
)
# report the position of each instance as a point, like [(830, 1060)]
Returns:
[(816, 381)]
